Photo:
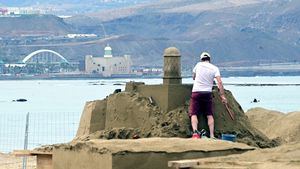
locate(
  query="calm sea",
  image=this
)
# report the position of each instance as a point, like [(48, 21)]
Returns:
[(55, 106)]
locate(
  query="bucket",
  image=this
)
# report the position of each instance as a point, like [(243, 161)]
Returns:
[(229, 137)]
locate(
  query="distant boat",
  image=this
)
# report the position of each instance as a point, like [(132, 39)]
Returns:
[(118, 84), (20, 100)]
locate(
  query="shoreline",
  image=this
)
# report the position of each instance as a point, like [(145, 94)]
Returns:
[(144, 77), (91, 76), (73, 77)]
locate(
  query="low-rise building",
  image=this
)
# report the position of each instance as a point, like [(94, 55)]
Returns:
[(108, 65), (20, 11), (81, 35), (1, 66)]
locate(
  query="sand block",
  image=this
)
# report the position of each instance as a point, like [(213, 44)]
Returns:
[(200, 163), (140, 153), (285, 156), (43, 158), (93, 117)]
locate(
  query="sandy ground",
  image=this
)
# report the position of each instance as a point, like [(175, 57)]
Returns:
[(285, 156), (8, 161), (144, 153), (276, 125)]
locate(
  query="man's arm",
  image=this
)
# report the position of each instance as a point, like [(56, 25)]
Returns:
[(194, 76), (221, 89)]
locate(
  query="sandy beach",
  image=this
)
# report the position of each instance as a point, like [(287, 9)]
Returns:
[(276, 125), (9, 161)]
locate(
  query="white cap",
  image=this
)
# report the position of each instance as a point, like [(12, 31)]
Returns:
[(204, 55)]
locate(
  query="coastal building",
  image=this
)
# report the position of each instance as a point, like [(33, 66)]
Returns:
[(1, 66), (109, 65), (72, 36), (20, 11)]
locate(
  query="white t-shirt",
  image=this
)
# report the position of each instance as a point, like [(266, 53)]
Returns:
[(205, 75)]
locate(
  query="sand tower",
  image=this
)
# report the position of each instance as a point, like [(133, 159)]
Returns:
[(172, 66)]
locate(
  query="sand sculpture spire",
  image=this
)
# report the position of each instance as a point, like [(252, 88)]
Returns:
[(172, 66)]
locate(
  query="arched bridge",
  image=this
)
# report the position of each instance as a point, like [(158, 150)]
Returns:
[(44, 56)]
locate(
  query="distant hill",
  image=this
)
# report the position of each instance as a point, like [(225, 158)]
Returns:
[(34, 25), (236, 33), (35, 2), (72, 7)]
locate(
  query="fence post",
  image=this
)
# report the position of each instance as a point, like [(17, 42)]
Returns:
[(26, 141)]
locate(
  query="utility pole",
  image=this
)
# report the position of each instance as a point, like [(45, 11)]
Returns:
[(103, 28), (26, 141)]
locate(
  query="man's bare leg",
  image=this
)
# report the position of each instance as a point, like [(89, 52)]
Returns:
[(194, 121), (211, 125)]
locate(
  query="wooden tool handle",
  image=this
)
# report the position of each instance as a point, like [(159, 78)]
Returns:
[(231, 114)]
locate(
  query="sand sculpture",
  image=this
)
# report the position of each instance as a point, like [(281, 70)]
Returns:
[(143, 111), (145, 119)]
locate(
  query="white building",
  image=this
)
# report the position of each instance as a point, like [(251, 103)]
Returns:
[(20, 11), (108, 66), (81, 36)]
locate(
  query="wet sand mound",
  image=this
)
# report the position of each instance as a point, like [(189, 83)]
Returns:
[(276, 125), (139, 153), (285, 156), (127, 115)]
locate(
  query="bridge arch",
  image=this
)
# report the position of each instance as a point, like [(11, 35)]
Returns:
[(43, 51)]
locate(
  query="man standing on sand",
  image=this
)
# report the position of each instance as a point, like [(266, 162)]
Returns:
[(204, 74)]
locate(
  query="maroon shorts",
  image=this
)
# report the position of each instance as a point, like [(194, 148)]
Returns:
[(201, 102)]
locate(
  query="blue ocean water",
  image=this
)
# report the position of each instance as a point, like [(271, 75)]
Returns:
[(55, 106), (284, 98)]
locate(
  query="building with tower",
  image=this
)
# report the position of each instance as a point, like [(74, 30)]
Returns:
[(109, 65)]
